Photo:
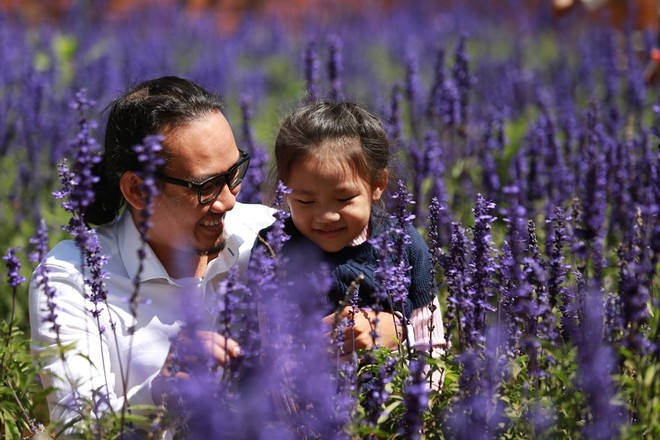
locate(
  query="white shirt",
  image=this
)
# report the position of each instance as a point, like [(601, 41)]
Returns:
[(100, 353)]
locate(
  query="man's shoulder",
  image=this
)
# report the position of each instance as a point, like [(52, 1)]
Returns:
[(69, 254), (65, 251)]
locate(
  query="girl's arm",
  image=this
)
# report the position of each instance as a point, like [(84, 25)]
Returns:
[(429, 334)]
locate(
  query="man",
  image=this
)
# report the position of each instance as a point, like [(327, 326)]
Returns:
[(199, 232)]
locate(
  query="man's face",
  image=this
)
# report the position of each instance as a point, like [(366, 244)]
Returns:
[(181, 225)]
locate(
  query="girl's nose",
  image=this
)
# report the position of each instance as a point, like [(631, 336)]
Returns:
[(327, 216)]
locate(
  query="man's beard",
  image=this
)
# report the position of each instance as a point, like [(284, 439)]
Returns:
[(215, 249)]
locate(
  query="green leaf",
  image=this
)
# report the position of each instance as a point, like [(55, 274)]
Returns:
[(388, 410)]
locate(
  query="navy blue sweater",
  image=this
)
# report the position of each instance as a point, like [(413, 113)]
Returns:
[(308, 264)]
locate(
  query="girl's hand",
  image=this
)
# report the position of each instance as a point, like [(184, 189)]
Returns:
[(367, 324)]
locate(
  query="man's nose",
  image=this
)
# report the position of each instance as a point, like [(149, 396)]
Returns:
[(225, 200)]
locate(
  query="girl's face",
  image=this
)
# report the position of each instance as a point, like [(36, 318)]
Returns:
[(330, 204)]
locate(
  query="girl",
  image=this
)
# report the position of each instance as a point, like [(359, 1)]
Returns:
[(334, 158)]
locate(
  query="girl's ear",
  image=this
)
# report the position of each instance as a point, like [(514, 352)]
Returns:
[(380, 185), (130, 185)]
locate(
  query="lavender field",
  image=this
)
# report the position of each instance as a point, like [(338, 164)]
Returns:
[(527, 148)]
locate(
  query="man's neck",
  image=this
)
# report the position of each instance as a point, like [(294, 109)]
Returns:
[(186, 265)]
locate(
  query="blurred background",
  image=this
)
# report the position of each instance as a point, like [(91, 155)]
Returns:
[(642, 14)]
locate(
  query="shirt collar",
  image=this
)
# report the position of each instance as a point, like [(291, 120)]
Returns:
[(227, 258), (130, 241)]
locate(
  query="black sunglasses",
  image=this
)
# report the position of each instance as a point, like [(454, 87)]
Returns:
[(208, 190)]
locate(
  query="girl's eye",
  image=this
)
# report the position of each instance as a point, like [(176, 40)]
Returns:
[(304, 202), (347, 199)]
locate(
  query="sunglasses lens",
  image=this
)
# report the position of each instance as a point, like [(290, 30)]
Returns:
[(232, 178), (211, 189), (238, 174)]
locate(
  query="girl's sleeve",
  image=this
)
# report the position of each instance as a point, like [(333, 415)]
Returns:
[(426, 318), (429, 334)]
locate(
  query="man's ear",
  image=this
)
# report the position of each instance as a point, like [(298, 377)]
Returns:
[(130, 185), (380, 185)]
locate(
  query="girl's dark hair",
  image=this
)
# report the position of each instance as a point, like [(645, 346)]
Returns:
[(152, 107), (310, 126)]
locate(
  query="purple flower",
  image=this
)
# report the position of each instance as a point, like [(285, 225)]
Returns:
[(292, 341), (346, 399), (412, 90), (311, 61), (478, 412), (439, 227), (266, 266), (439, 77), (335, 67), (420, 171), (436, 229), (150, 159), (254, 178), (451, 108), (460, 310), (541, 321), (596, 363), (41, 277), (613, 318), (77, 184), (435, 158), (508, 279), (532, 154), (94, 262), (635, 285), (635, 93), (15, 279), (86, 155), (516, 296), (558, 294), (593, 186), (415, 397), (393, 273), (557, 178), (622, 180), (611, 78), (493, 148), (586, 69), (394, 122), (462, 77), (373, 384), (483, 264), (13, 264)]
